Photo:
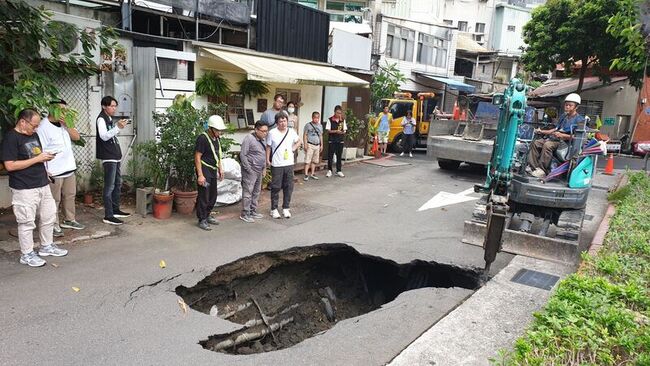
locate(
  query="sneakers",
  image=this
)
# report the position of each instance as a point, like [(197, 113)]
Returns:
[(256, 215), (306, 178), (286, 213), (401, 154), (57, 232), (313, 177), (529, 169), (32, 260), (538, 173), (72, 224), (275, 214), (329, 174), (52, 250), (410, 155), (120, 213), (340, 174), (112, 221), (204, 225), (213, 220), (246, 218)]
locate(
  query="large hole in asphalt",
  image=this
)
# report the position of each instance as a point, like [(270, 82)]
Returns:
[(281, 298)]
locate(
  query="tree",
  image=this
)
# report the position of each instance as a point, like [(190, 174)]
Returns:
[(386, 82), (572, 31), (27, 79), (626, 27)]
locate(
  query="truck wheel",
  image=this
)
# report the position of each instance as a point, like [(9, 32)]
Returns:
[(398, 143), (448, 164)]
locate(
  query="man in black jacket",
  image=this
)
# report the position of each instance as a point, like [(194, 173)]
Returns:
[(110, 154)]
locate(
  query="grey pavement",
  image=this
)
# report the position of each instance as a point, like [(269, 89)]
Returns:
[(127, 313)]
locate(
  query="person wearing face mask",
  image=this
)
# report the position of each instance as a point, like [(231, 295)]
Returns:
[(293, 123), (57, 137)]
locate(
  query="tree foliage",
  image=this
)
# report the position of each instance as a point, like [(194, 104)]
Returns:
[(626, 27), (387, 81), (31, 57), (571, 31)]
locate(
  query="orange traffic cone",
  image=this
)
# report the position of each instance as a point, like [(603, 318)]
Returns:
[(609, 167)]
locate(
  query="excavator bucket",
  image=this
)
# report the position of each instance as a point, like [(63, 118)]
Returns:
[(526, 244)]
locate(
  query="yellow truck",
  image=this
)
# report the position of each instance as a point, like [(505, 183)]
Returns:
[(422, 108)]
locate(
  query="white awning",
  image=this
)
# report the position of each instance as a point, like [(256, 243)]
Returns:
[(270, 69)]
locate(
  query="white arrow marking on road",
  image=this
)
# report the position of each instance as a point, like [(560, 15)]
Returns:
[(445, 199)]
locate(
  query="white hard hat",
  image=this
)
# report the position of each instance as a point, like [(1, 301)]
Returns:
[(573, 97), (216, 122)]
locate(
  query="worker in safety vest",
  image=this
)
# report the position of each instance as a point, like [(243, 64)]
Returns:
[(207, 161)]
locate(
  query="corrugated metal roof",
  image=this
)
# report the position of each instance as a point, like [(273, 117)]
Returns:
[(560, 87), (467, 44)]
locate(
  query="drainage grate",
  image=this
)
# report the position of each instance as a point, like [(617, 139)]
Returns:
[(589, 217), (532, 278)]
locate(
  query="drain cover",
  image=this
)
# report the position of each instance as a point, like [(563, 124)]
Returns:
[(589, 217), (532, 278)]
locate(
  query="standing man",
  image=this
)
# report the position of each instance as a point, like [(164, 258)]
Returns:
[(110, 154), (253, 169), (268, 117), (542, 149), (57, 137), (384, 120), (408, 124), (280, 145), (313, 142), (207, 162), (25, 160), (336, 132)]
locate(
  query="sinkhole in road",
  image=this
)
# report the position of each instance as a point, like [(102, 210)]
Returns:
[(281, 298)]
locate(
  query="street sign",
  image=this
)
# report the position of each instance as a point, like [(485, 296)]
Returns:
[(609, 121)]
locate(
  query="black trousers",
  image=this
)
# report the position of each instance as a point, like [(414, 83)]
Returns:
[(282, 179), (206, 199), (409, 142), (334, 148)]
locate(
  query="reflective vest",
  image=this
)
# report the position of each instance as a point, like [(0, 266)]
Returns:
[(217, 157)]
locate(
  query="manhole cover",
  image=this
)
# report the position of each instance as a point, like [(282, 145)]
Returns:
[(532, 278), (282, 298)]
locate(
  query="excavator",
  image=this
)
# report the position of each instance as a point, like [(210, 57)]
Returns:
[(522, 214)]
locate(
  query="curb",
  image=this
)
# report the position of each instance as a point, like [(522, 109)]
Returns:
[(599, 238)]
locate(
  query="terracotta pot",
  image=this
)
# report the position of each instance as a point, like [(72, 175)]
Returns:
[(162, 205), (88, 198), (185, 201)]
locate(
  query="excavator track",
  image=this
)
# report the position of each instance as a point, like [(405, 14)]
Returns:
[(569, 224)]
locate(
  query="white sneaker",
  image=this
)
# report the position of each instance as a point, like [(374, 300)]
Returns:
[(329, 174), (340, 174), (401, 154), (32, 259), (286, 213), (410, 155), (275, 214), (538, 173)]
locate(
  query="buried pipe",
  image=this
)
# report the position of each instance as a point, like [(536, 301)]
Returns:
[(250, 336)]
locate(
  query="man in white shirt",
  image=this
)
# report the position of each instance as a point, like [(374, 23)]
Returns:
[(109, 152), (56, 138), (281, 142)]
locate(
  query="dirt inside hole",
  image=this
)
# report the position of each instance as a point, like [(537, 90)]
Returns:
[(281, 298)]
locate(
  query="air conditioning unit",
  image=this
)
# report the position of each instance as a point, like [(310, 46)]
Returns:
[(67, 28)]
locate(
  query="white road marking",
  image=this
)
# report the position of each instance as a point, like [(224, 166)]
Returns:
[(445, 199)]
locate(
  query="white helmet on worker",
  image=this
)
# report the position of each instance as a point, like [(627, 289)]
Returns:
[(573, 97), (216, 122)]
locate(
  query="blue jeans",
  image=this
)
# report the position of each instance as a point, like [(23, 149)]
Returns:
[(112, 187)]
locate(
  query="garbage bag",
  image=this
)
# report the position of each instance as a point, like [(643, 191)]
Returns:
[(229, 190), (231, 169)]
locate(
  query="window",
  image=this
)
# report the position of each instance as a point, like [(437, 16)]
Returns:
[(309, 3), (448, 21), (591, 108), (462, 26), (480, 28), (431, 50), (511, 28), (175, 69), (399, 109), (478, 37), (345, 11), (482, 69), (400, 43)]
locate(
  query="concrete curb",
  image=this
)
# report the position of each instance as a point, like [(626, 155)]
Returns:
[(599, 237)]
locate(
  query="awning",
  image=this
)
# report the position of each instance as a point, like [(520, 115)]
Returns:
[(451, 83), (467, 44), (269, 69)]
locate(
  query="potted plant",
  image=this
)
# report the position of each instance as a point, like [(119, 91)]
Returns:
[(253, 88), (213, 85), (151, 158), (178, 129), (355, 127)]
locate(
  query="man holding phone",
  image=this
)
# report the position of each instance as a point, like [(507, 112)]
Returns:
[(56, 137), (25, 161), (109, 152)]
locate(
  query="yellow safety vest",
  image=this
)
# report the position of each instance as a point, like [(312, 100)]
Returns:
[(217, 158)]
